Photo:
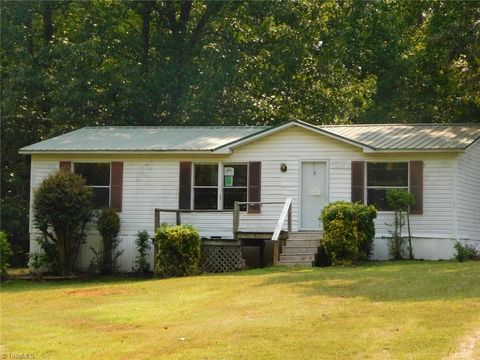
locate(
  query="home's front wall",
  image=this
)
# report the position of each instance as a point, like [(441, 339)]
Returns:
[(152, 181)]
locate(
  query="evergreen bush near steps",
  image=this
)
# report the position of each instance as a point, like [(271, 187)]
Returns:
[(349, 232)]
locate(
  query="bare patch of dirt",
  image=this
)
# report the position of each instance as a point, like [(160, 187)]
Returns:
[(95, 292), (101, 327), (466, 349)]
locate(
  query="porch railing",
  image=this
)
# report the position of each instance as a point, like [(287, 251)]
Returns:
[(178, 216), (286, 214)]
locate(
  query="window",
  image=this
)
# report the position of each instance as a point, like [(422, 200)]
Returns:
[(234, 185), (205, 187), (97, 176), (382, 176)]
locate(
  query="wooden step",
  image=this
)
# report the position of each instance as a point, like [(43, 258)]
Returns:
[(297, 257), (302, 243), (292, 250), (296, 263), (305, 235), (300, 248)]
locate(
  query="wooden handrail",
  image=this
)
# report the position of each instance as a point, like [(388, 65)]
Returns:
[(286, 212)]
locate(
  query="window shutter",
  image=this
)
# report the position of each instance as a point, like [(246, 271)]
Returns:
[(185, 188), (358, 181), (116, 185), (254, 185), (416, 186), (65, 166)]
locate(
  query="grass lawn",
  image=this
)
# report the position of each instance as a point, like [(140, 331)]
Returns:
[(412, 310)]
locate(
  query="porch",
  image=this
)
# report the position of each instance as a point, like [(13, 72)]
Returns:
[(234, 249)]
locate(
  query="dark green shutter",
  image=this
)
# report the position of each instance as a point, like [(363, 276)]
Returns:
[(416, 186), (254, 185), (358, 181), (185, 185), (116, 185)]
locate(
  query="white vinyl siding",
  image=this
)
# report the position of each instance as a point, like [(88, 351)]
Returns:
[(468, 193)]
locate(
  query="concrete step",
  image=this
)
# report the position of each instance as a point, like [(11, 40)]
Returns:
[(295, 263), (308, 243), (305, 235), (297, 257), (292, 250)]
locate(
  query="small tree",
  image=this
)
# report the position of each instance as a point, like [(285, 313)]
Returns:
[(142, 242), (349, 232), (62, 208), (108, 225), (400, 201)]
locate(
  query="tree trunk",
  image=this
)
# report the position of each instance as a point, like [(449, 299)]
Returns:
[(47, 23), (146, 14), (410, 250)]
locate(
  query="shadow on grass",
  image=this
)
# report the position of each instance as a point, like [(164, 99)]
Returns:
[(391, 281), (376, 281), (15, 286)]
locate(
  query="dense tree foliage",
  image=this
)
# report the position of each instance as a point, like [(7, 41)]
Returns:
[(68, 64), (62, 207)]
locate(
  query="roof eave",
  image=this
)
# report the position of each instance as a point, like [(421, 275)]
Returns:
[(414, 150), (128, 152)]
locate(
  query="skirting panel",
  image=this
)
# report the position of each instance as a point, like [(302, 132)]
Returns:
[(222, 258)]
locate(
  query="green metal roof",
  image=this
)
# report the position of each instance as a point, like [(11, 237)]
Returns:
[(409, 136), (374, 137), (140, 138)]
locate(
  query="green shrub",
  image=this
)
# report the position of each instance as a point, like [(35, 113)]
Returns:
[(465, 252), (142, 242), (108, 225), (349, 232), (5, 254), (178, 250), (38, 263), (62, 208), (400, 200)]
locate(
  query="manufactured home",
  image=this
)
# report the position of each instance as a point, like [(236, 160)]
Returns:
[(204, 170)]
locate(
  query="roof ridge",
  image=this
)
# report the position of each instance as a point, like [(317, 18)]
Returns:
[(172, 126)]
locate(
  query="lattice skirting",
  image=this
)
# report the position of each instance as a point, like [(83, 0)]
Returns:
[(222, 258)]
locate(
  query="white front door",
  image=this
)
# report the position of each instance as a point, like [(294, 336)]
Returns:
[(313, 194)]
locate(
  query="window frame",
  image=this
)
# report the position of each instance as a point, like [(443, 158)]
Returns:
[(220, 181), (244, 208), (98, 186), (365, 181), (193, 187)]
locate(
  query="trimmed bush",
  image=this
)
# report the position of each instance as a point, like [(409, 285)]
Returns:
[(108, 225), (5, 254), (349, 232), (62, 208), (178, 250)]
